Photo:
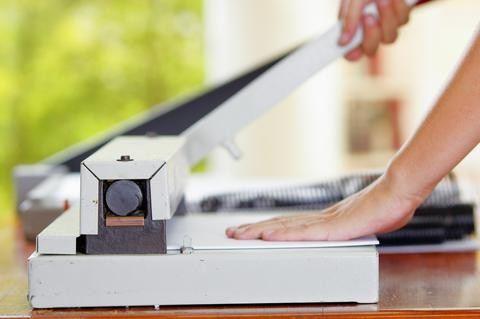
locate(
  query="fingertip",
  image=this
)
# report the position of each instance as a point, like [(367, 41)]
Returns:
[(402, 11), (354, 55), (235, 233), (230, 231), (391, 39), (345, 37)]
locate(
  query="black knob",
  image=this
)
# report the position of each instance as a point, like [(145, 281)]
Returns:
[(123, 197)]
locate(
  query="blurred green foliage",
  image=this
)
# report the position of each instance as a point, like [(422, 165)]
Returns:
[(70, 69)]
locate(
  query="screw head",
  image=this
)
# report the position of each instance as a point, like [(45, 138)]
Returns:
[(125, 158)]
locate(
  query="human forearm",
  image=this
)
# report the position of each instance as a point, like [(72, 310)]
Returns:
[(449, 132)]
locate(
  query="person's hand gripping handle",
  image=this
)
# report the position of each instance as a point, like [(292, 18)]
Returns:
[(365, 24)]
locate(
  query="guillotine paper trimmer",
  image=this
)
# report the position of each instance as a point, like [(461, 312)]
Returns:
[(124, 246)]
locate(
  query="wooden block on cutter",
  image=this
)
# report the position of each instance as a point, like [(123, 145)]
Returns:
[(117, 221)]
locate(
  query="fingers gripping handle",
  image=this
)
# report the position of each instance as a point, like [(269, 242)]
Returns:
[(372, 10)]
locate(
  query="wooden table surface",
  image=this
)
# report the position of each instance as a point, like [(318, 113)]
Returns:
[(411, 286)]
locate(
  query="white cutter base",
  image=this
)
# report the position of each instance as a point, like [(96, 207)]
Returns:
[(204, 275)]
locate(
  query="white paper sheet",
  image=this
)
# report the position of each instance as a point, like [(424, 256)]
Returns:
[(207, 232)]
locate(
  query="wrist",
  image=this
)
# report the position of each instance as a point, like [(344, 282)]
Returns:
[(400, 183)]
